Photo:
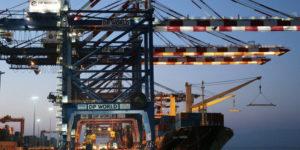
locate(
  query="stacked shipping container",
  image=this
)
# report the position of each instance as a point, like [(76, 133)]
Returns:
[(194, 119)]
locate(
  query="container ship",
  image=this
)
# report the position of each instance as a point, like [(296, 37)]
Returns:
[(195, 128), (186, 132)]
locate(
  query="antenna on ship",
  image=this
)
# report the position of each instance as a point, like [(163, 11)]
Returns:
[(203, 110)]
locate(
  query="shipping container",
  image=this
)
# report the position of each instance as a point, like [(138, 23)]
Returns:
[(194, 119), (166, 124)]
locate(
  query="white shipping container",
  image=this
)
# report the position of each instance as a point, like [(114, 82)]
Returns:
[(45, 6)]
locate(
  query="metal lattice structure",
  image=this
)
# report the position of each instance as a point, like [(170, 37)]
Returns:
[(106, 53)]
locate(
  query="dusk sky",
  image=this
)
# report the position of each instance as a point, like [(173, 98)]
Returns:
[(253, 127)]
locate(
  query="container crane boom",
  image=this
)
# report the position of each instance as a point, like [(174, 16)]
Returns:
[(220, 51), (209, 60), (161, 51), (224, 95), (228, 25), (198, 107)]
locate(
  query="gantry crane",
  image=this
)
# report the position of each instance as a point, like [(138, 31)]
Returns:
[(112, 123), (98, 43), (170, 99), (8, 118)]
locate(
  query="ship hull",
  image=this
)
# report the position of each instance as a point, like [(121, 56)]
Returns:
[(195, 138)]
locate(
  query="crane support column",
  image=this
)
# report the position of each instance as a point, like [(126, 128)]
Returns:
[(189, 98), (172, 106)]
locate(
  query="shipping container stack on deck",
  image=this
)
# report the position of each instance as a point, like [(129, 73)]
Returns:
[(183, 120), (194, 119)]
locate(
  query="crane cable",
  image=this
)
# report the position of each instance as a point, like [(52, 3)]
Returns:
[(128, 76), (225, 82), (214, 12), (260, 8), (110, 7), (271, 9), (193, 39), (223, 36), (164, 8), (166, 40), (186, 41), (158, 16), (155, 83), (165, 12), (32, 40), (197, 5), (159, 35), (13, 7), (245, 5), (163, 40), (165, 87), (260, 94), (228, 38), (183, 36)]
